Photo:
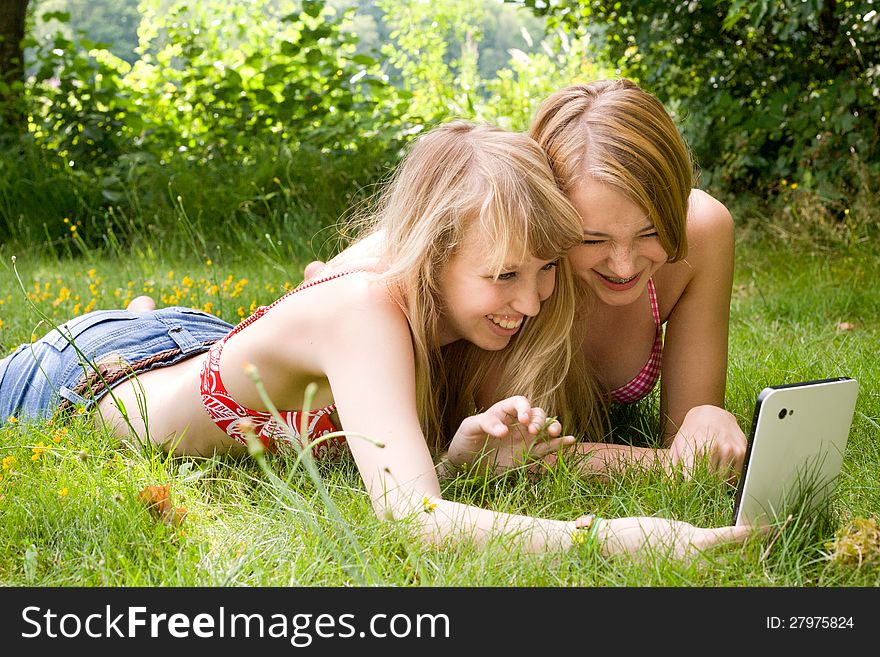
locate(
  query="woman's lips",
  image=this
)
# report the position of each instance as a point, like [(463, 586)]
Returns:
[(505, 325), (619, 284)]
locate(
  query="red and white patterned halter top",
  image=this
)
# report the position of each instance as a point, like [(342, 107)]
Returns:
[(237, 420)]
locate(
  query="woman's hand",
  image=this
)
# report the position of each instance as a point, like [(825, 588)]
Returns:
[(508, 434), (680, 540), (713, 433)]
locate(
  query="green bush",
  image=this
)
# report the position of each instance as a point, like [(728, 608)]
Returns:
[(233, 85), (239, 118), (434, 52), (766, 90)]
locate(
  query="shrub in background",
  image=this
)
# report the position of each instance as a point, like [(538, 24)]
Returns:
[(240, 116), (767, 89)]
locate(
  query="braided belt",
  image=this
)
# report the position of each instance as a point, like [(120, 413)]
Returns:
[(108, 374)]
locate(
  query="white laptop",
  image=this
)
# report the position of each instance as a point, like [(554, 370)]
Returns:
[(795, 450)]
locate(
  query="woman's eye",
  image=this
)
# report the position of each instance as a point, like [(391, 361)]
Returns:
[(592, 242), (550, 265), (507, 276), (654, 234)]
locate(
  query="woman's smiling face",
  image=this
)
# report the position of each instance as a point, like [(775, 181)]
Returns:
[(482, 308), (620, 250)]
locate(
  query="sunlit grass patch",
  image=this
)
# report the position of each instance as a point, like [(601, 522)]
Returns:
[(69, 493)]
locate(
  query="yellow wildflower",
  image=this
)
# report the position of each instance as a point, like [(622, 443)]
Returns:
[(38, 451), (794, 185), (239, 286), (427, 505), (62, 492), (11, 419), (9, 461), (63, 295)]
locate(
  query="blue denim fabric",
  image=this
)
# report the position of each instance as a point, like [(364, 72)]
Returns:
[(36, 377)]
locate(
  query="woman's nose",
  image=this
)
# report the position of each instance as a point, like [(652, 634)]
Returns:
[(528, 300), (622, 262)]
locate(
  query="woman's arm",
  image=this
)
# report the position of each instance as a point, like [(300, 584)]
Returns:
[(368, 359), (694, 371), (695, 344)]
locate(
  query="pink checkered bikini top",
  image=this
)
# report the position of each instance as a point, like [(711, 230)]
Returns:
[(644, 381), (237, 420)]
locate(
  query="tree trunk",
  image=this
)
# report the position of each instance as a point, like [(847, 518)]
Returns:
[(12, 21)]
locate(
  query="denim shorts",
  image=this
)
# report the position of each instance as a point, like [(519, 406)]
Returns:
[(77, 363)]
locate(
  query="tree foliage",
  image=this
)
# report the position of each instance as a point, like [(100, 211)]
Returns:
[(212, 77), (249, 104), (12, 26), (767, 90), (434, 52), (247, 88)]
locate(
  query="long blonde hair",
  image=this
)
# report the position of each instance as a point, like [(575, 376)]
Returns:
[(618, 134), (454, 175)]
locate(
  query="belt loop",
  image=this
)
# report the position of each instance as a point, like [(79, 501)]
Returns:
[(74, 398), (185, 340)]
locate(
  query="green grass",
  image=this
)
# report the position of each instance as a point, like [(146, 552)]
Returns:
[(70, 515)]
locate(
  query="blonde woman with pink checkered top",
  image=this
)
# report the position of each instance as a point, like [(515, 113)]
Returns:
[(655, 251)]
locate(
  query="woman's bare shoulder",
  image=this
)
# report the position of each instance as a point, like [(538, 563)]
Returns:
[(710, 249), (341, 316), (363, 254), (706, 214), (341, 293), (710, 226)]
